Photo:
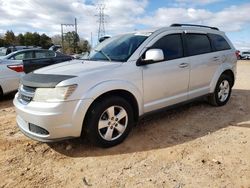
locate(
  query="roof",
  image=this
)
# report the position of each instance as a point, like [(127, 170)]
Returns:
[(181, 27)]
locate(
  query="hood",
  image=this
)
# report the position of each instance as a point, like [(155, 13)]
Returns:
[(77, 67)]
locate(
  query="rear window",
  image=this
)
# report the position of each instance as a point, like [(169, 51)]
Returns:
[(218, 42), (197, 44)]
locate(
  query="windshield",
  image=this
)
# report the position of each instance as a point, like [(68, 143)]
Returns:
[(118, 48)]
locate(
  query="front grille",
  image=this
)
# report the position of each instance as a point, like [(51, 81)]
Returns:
[(29, 89), (38, 130), (26, 94)]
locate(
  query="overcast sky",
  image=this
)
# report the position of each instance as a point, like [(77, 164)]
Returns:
[(45, 16)]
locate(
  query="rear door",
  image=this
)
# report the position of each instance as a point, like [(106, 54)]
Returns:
[(203, 62)]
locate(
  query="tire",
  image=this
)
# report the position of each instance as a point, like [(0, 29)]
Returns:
[(222, 91), (109, 121)]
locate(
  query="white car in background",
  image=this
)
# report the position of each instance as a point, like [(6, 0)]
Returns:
[(245, 55), (11, 70)]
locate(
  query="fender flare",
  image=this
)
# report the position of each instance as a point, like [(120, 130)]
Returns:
[(113, 85), (217, 75)]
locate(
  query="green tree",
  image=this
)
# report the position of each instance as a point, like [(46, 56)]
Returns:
[(36, 39), (2, 42), (28, 39), (20, 39), (10, 38), (45, 41), (84, 46), (71, 39)]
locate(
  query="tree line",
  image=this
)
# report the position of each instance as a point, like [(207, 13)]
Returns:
[(72, 42), (27, 39)]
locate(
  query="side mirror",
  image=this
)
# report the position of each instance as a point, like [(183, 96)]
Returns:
[(152, 55)]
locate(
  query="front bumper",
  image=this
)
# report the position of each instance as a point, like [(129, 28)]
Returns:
[(62, 120)]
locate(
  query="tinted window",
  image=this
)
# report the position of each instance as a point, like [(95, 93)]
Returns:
[(171, 46), (218, 42), (19, 56), (50, 54), (28, 55), (40, 54), (197, 44)]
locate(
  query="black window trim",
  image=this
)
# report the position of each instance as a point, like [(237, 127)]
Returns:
[(186, 45), (212, 44)]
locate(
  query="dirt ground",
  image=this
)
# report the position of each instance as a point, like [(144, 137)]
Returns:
[(195, 145)]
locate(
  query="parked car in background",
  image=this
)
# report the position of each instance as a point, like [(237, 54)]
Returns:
[(104, 38), (11, 70), (16, 64), (43, 58), (245, 55), (55, 48), (11, 49), (124, 78)]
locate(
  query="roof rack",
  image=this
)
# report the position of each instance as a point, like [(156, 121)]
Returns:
[(192, 25)]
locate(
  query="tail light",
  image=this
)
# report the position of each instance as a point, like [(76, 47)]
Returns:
[(17, 68), (237, 53)]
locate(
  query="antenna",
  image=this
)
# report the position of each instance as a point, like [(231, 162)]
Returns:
[(101, 20)]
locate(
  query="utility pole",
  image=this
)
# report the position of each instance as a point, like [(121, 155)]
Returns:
[(91, 39), (62, 37), (62, 34)]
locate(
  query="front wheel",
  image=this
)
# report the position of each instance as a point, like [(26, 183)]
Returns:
[(109, 121), (222, 91)]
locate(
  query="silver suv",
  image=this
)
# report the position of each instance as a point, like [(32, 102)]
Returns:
[(123, 78)]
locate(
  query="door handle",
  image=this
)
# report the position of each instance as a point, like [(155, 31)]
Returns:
[(216, 58), (183, 65)]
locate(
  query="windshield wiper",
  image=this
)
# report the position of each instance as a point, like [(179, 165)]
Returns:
[(104, 54)]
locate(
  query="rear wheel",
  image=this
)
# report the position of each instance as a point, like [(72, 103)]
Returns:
[(109, 121), (222, 91)]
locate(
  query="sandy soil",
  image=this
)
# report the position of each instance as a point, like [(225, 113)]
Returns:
[(195, 145)]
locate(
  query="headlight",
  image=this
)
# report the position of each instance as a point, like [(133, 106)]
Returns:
[(53, 94)]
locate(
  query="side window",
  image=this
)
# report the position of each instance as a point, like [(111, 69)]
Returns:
[(19, 56), (28, 55), (50, 54), (40, 54), (197, 44), (171, 46), (218, 42)]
